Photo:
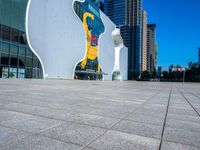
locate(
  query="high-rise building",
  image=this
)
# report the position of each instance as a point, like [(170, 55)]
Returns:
[(151, 48), (144, 41), (199, 55), (160, 70), (127, 14), (116, 11), (16, 58)]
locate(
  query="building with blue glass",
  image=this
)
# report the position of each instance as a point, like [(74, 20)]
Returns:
[(16, 58), (127, 14)]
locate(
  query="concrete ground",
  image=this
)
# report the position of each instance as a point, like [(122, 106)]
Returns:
[(87, 115)]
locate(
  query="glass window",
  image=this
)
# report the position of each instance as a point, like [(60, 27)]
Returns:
[(29, 72), (14, 35), (22, 51), (0, 25), (13, 73), (22, 37), (36, 72), (14, 60), (23, 5), (6, 14), (5, 32), (15, 14), (4, 72), (0, 17), (4, 59), (0, 46), (5, 47), (35, 63), (21, 73), (29, 53), (21, 61), (14, 49), (29, 62)]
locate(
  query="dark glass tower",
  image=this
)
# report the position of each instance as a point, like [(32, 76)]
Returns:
[(127, 14), (151, 48), (16, 58), (199, 55)]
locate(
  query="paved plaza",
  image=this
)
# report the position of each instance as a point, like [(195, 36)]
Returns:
[(89, 115)]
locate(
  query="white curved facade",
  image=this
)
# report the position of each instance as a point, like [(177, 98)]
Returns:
[(57, 36)]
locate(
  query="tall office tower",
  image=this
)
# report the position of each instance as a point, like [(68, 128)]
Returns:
[(16, 58), (144, 41), (160, 70), (116, 11), (127, 15), (151, 48), (199, 55)]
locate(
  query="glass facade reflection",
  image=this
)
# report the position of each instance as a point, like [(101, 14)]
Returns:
[(88, 12), (127, 15), (16, 58)]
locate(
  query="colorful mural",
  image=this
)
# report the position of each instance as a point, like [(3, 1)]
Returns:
[(88, 12)]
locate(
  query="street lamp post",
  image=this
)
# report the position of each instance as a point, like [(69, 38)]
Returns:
[(184, 75)]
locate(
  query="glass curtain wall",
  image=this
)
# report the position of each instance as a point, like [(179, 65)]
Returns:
[(16, 58)]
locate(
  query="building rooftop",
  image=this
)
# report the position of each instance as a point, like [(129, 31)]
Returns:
[(61, 114)]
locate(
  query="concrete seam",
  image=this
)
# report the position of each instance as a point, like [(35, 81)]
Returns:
[(188, 102), (87, 145), (165, 120)]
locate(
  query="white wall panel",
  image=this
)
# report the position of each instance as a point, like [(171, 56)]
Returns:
[(124, 63), (58, 37)]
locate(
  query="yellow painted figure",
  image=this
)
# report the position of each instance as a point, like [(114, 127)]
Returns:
[(91, 51), (88, 12)]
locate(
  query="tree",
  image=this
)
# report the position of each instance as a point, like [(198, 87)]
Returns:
[(145, 75), (165, 75)]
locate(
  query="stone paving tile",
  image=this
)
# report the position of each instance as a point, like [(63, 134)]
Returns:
[(109, 113), (152, 109), (87, 148), (75, 133), (36, 142), (67, 114), (147, 117), (181, 111), (177, 146), (94, 120), (3, 103), (182, 117), (114, 140), (6, 115), (142, 129), (182, 136), (184, 125), (8, 135), (30, 123)]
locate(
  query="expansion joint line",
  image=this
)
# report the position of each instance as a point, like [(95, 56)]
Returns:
[(192, 93), (122, 119), (188, 101), (165, 120)]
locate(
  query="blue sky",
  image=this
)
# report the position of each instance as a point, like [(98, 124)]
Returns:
[(178, 29)]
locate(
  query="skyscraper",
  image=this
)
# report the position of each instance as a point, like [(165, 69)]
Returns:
[(116, 11), (199, 55), (151, 48), (144, 41), (127, 14)]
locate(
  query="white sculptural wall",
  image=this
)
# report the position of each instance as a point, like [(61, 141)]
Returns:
[(58, 38)]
